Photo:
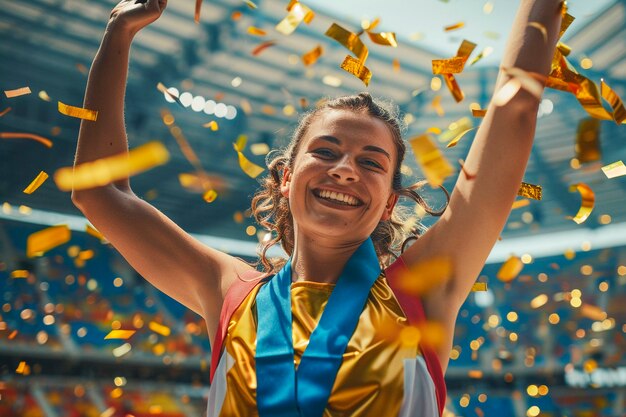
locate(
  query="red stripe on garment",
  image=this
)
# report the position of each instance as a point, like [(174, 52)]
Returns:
[(414, 310)]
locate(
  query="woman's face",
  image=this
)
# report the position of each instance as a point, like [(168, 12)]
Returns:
[(340, 182)]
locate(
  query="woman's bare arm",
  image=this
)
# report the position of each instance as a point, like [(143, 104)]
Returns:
[(168, 257), (498, 156)]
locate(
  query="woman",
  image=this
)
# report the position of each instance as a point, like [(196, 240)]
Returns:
[(330, 201)]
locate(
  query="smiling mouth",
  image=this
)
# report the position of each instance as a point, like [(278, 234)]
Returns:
[(338, 198)]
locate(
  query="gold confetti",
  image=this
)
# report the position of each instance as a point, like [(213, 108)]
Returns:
[(619, 113), (44, 96), (113, 168), (15, 135), (435, 167), (454, 128), (250, 4), (520, 203), (587, 204), (434, 130), (77, 112), (159, 328), (12, 335), (396, 65), (588, 140), (259, 148), (212, 125), (95, 233), (252, 170), (253, 30), (261, 47), (313, 55), (17, 92), (236, 15), (349, 40), (19, 273), (120, 334), (454, 26), (479, 286), (510, 269), (22, 368), (296, 14), (479, 112), (530, 191), (541, 28), (356, 68), (458, 137), (475, 374), (447, 67), (425, 275), (36, 183), (196, 15), (165, 91), (384, 38), (245, 106), (42, 241), (616, 169), (209, 196), (436, 103), (483, 54), (5, 111)]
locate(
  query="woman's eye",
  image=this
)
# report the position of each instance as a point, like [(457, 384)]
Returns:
[(372, 163), (327, 153)]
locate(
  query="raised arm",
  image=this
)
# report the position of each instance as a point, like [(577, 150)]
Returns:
[(164, 254), (497, 160)]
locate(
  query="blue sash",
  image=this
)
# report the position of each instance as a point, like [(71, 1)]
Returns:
[(281, 391)]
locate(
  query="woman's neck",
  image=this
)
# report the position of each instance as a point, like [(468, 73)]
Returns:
[(320, 261)]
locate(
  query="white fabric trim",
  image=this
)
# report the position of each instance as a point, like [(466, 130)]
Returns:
[(217, 391), (419, 390)]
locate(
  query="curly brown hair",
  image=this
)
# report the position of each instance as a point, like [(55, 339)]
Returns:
[(271, 209)]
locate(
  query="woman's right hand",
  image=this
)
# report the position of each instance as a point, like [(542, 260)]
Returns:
[(133, 15)]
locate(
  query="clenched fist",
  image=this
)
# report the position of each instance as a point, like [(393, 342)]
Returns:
[(133, 15)]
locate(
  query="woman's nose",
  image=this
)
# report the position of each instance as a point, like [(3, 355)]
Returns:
[(343, 171)]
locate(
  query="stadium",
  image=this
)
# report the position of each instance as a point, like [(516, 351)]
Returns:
[(543, 333)]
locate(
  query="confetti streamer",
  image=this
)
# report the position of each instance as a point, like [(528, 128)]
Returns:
[(159, 328), (349, 40), (587, 204), (259, 148), (36, 183), (17, 92), (252, 170), (510, 269), (22, 368), (296, 14), (356, 68), (425, 275), (113, 168), (447, 67), (435, 167), (42, 241), (455, 26), (77, 112), (15, 135), (479, 286), (588, 141), (5, 111), (384, 38), (255, 31), (236, 15), (616, 169), (619, 113), (312, 56), (262, 47), (530, 191), (120, 334)]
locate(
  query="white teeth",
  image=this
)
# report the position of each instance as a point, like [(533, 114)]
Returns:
[(344, 198)]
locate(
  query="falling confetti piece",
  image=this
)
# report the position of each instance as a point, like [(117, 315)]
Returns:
[(479, 286), (44, 96), (616, 169), (250, 4), (36, 183), (454, 26), (251, 169), (212, 125), (587, 204), (42, 241), (475, 374), (12, 335), (588, 141), (19, 273), (479, 112), (120, 334), (261, 47), (15, 135), (396, 65), (253, 30), (22, 368), (447, 67), (541, 28), (209, 196), (425, 275), (162, 88), (356, 68), (383, 38), (159, 328), (530, 191), (349, 40), (236, 15), (259, 148), (483, 54), (95, 233), (435, 167), (520, 203), (313, 55), (5, 111), (296, 14), (77, 112), (510, 269), (107, 170), (458, 137), (119, 352), (196, 14), (17, 92), (539, 301), (619, 113)]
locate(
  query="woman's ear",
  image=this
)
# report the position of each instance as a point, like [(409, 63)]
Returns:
[(391, 203), (285, 182)]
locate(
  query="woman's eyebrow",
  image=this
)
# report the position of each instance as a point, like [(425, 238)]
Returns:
[(371, 148)]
